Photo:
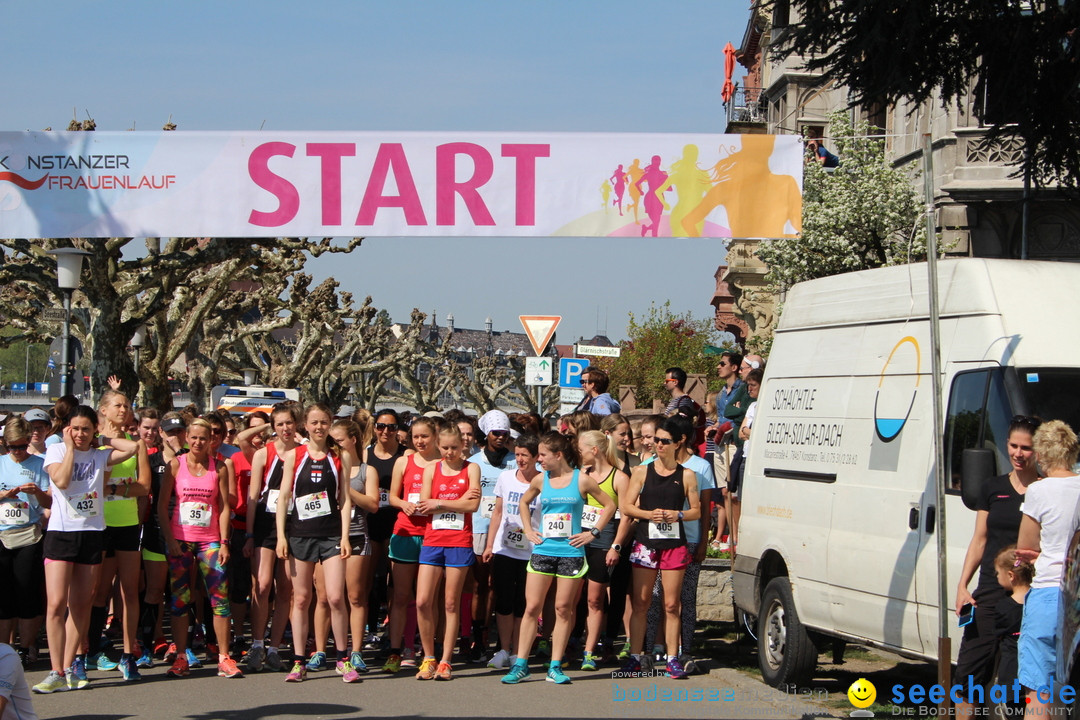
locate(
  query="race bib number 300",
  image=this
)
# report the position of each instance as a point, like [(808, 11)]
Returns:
[(557, 525), (14, 512)]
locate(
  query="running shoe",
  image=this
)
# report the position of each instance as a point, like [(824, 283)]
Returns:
[(675, 669), (408, 658), (211, 650), (500, 660), (170, 654), (128, 669), (101, 661), (625, 652), (689, 665), (273, 660), (24, 657), (298, 673), (477, 652), (556, 675), (339, 667), (317, 662), (256, 657), (146, 660), (543, 648), (192, 659), (518, 671), (589, 662), (443, 672), (180, 667), (357, 662), (53, 682), (392, 664), (76, 675), (631, 665), (162, 646), (227, 668), (349, 673), (427, 669)]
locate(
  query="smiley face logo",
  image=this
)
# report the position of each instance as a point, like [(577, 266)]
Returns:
[(862, 693)]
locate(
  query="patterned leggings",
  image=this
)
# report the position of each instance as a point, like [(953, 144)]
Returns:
[(689, 606), (208, 555)]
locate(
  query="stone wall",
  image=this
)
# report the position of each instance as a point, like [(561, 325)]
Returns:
[(715, 601)]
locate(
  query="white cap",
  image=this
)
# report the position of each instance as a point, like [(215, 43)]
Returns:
[(36, 415), (493, 420)]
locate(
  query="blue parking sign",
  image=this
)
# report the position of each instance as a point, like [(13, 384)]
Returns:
[(570, 370)]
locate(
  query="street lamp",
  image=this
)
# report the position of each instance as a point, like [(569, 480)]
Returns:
[(68, 270), (138, 339)]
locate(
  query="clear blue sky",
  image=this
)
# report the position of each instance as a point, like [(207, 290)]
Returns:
[(408, 65)]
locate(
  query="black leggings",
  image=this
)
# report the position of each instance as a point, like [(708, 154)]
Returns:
[(22, 577), (508, 581)]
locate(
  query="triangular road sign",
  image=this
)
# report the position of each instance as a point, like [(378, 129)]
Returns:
[(540, 329)]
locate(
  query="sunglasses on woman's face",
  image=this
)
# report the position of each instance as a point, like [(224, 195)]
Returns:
[(663, 441), (386, 426)]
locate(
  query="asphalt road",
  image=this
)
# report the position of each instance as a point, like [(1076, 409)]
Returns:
[(474, 692)]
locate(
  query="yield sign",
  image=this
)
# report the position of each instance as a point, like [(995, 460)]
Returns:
[(540, 329)]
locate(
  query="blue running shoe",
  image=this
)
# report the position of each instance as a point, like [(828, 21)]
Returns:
[(128, 669), (357, 662), (146, 660), (192, 660), (317, 662), (556, 675), (518, 671), (76, 675), (101, 661)]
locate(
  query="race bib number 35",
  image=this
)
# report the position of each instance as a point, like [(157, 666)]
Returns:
[(557, 525), (195, 514)]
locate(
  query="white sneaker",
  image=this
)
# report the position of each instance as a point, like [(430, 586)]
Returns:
[(500, 660)]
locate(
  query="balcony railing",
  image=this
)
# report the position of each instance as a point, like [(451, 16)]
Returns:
[(746, 106)]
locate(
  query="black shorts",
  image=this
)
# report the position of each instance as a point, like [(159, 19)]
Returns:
[(571, 568), (238, 567), (82, 547), (314, 550), (265, 530), (122, 539), (979, 644), (152, 539), (22, 581), (380, 524), (508, 581), (599, 572)]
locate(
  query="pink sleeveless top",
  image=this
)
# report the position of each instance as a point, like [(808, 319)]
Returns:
[(198, 505)]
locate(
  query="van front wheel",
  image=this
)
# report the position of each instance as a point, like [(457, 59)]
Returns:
[(786, 654)]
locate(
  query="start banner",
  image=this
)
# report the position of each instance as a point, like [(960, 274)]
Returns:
[(266, 184)]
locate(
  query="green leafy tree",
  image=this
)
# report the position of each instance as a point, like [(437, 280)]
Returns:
[(656, 342), (865, 214), (1021, 59)]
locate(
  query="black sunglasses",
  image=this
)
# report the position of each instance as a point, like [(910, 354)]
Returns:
[(663, 441), (386, 426), (18, 447), (500, 433)]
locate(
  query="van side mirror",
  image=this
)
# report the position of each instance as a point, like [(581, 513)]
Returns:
[(976, 465)]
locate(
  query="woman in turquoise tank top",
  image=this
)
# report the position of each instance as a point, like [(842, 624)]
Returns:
[(559, 552)]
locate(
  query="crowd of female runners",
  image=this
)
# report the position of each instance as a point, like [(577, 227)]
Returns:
[(307, 525)]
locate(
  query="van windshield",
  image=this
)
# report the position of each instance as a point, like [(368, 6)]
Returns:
[(1052, 393)]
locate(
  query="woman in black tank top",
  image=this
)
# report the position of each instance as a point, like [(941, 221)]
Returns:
[(657, 493)]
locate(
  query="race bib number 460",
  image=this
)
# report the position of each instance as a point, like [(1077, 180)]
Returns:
[(448, 521), (557, 525)]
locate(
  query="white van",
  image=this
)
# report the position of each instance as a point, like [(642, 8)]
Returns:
[(839, 502)]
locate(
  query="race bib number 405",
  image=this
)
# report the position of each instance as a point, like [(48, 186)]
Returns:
[(663, 531)]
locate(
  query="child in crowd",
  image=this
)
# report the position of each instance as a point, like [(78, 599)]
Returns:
[(1015, 576)]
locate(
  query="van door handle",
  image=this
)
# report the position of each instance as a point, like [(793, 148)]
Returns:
[(931, 517), (913, 519)]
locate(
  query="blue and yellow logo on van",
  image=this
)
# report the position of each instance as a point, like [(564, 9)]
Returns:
[(897, 386)]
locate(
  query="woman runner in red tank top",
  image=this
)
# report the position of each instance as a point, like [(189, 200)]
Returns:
[(451, 494)]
